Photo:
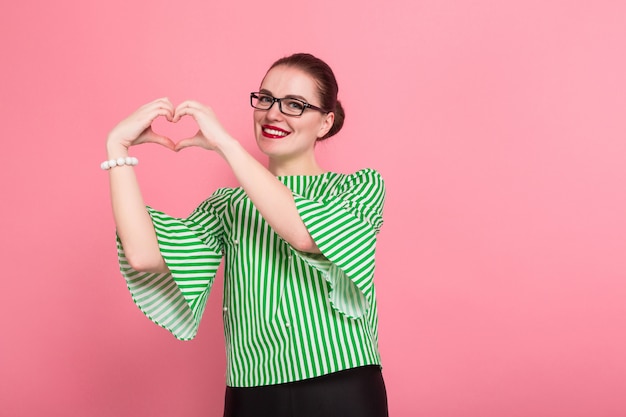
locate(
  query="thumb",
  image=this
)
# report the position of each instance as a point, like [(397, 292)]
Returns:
[(150, 136), (195, 140), (185, 143)]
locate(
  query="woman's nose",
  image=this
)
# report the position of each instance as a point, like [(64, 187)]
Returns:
[(273, 112)]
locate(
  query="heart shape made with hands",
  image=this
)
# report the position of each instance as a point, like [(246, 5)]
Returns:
[(184, 128)]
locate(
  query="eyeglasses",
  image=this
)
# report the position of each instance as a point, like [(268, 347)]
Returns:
[(291, 107)]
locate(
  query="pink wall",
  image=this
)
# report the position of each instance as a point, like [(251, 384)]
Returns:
[(500, 130)]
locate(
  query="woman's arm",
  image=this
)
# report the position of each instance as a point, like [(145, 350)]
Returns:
[(132, 221), (270, 196)]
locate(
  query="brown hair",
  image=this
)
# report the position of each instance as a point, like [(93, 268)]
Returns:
[(326, 85)]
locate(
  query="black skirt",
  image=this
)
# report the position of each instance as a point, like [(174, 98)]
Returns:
[(357, 392)]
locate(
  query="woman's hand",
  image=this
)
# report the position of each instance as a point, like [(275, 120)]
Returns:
[(136, 128), (211, 136)]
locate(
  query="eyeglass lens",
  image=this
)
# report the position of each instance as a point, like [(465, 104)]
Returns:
[(289, 106)]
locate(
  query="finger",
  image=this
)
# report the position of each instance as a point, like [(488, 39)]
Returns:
[(150, 136), (188, 108), (166, 101), (161, 107), (144, 119), (167, 105), (163, 101), (168, 144), (190, 103), (189, 142), (160, 111), (159, 102), (165, 112), (184, 111), (185, 143)]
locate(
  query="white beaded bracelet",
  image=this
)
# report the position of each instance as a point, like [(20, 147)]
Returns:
[(119, 162)]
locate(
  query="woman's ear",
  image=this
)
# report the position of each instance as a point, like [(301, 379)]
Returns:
[(327, 124)]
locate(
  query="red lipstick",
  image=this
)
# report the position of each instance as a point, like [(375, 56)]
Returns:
[(273, 132)]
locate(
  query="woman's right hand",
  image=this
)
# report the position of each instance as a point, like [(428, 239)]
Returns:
[(136, 128)]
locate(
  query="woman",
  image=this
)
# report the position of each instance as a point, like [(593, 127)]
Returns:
[(300, 314)]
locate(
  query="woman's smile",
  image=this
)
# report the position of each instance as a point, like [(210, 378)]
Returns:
[(273, 132)]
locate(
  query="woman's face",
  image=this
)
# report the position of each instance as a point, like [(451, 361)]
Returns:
[(283, 137)]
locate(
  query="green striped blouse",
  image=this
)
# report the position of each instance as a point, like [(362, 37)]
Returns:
[(288, 315)]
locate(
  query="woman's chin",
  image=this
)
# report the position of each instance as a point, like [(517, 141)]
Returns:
[(269, 146)]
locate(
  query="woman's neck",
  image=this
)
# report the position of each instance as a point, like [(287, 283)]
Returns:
[(292, 167)]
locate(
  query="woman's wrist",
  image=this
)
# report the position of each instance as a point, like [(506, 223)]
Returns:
[(228, 146), (116, 150)]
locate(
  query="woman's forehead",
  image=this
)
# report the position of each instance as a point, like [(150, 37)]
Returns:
[(283, 80)]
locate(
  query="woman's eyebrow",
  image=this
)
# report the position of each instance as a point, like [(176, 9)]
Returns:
[(268, 92), (296, 96)]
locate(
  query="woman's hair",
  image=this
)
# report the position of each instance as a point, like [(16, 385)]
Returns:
[(326, 85)]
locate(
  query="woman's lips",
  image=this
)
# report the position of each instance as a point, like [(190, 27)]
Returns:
[(273, 132)]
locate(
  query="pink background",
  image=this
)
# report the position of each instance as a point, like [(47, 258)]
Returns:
[(499, 127)]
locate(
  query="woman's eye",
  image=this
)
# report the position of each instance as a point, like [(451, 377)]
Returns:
[(295, 105)]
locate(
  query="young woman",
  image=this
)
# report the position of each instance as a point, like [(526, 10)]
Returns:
[(300, 315)]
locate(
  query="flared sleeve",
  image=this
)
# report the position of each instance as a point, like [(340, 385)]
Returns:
[(344, 224), (192, 250)]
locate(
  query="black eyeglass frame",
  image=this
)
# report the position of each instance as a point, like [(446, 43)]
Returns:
[(305, 105)]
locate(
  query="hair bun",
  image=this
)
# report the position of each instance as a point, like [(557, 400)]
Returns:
[(340, 115)]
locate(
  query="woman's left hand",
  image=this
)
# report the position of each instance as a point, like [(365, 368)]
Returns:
[(211, 136)]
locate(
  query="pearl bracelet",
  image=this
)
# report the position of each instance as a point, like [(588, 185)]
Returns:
[(119, 162)]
